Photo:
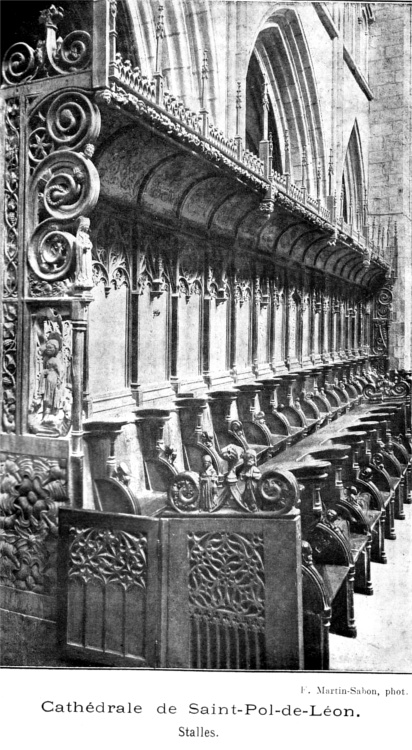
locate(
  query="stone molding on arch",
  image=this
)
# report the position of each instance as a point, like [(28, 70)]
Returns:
[(283, 55), (353, 196)]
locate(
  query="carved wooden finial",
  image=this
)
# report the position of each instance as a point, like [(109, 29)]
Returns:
[(160, 34), (265, 91), (265, 103), (318, 180), (238, 105), (51, 16), (304, 167), (365, 207), (113, 54), (205, 76), (205, 66), (160, 23), (330, 172), (239, 95)]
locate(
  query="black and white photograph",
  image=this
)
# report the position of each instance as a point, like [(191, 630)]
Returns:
[(206, 348)]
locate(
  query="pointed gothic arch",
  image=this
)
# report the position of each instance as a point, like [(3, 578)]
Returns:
[(282, 55), (353, 181)]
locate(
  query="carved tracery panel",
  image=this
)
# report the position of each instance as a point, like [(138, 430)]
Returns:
[(243, 311), (153, 291), (190, 324), (108, 313), (226, 600), (219, 291)]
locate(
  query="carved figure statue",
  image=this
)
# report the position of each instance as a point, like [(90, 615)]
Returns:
[(84, 271), (208, 485), (250, 475), (51, 385)]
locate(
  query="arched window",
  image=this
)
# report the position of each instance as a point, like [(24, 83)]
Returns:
[(353, 182), (281, 58), (255, 83), (125, 41)]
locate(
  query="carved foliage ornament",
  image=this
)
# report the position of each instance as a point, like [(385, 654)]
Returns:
[(156, 264), (9, 366), (29, 490), (52, 56), (11, 185), (107, 556), (226, 578), (217, 284), (111, 262), (384, 387), (242, 292)]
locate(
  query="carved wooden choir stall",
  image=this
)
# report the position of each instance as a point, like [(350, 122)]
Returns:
[(198, 413)]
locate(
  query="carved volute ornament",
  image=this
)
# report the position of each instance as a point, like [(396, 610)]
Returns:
[(68, 120), (247, 490), (51, 56)]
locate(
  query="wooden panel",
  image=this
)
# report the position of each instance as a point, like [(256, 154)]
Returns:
[(108, 340), (280, 331), (153, 326), (263, 333), (243, 331), (218, 335), (306, 332), (234, 594), (109, 600), (189, 349)]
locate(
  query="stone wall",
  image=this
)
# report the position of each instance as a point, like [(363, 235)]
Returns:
[(390, 154)]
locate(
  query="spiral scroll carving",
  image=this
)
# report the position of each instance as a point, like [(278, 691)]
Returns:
[(279, 492), (74, 54), (184, 492), (249, 491), (66, 185), (19, 63), (51, 251), (69, 120), (52, 55)]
